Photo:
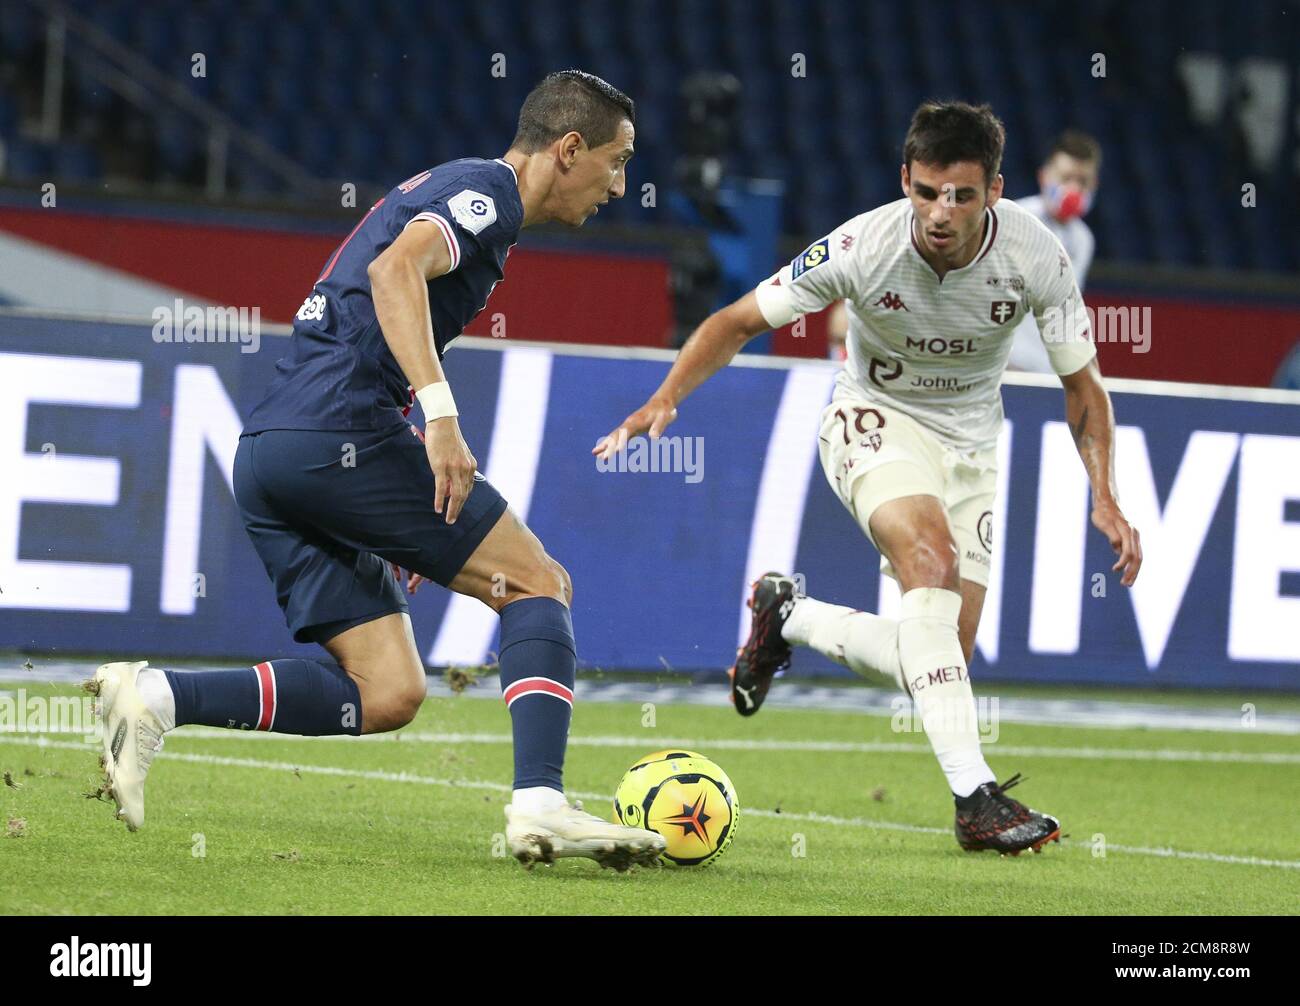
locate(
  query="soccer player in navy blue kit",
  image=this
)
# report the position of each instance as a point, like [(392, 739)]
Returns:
[(337, 488)]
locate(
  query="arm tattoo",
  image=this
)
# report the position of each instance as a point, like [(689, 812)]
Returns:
[(1077, 430)]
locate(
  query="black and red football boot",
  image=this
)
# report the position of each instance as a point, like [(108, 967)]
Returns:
[(771, 600), (989, 819)]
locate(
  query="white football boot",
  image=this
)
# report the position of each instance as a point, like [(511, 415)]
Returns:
[(544, 836), (133, 734)]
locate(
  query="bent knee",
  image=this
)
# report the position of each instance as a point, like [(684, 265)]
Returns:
[(391, 712), (565, 583), (930, 562), (544, 579), (392, 705)]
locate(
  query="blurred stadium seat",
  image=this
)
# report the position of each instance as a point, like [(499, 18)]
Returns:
[(369, 93)]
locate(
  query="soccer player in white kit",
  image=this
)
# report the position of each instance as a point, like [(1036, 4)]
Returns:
[(1067, 183), (935, 284)]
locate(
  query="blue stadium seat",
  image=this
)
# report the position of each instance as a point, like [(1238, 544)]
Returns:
[(20, 29), (317, 77), (8, 116), (26, 160), (239, 91), (156, 35), (313, 144), (179, 143), (287, 94), (252, 180), (75, 162), (360, 147), (112, 16), (331, 96)]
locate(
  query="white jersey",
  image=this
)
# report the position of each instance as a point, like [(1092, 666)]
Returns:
[(1076, 237), (936, 349)]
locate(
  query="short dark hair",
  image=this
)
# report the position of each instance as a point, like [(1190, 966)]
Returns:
[(570, 100), (1077, 144), (945, 132)]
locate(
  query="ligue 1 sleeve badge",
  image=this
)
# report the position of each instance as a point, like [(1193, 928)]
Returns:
[(810, 259)]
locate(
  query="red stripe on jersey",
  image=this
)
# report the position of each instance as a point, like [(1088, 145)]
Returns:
[(266, 695), (536, 686), (448, 235), (453, 245), (329, 266)]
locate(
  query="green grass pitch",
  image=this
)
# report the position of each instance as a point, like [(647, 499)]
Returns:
[(840, 815)]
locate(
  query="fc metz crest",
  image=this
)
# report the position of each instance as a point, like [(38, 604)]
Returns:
[(1002, 311)]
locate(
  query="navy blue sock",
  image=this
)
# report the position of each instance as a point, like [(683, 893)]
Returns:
[(311, 698), (538, 658)]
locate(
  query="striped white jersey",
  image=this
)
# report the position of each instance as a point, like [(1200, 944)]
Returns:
[(936, 349), (1027, 348)]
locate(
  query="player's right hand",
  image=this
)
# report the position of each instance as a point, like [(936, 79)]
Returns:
[(1123, 538), (653, 417), (453, 466)]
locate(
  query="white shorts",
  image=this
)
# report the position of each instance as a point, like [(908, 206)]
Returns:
[(872, 454)]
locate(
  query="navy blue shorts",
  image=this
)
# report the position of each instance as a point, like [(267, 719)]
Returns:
[(327, 512)]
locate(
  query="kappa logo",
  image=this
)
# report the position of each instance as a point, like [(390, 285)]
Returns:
[(846, 242), (1002, 311), (892, 301)]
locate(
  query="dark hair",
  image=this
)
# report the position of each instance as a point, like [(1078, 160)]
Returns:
[(570, 100), (945, 132), (1077, 144)]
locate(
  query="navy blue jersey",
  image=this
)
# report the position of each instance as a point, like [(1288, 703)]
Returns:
[(339, 373)]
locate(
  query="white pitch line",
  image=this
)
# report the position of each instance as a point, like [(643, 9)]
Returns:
[(732, 744), (497, 787)]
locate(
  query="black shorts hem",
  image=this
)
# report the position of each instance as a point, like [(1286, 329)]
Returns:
[(322, 632), (455, 558)]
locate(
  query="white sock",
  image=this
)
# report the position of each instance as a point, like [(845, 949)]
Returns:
[(537, 799), (864, 642), (934, 669), (152, 685)]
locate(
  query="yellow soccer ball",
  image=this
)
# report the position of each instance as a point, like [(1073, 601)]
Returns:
[(684, 797)]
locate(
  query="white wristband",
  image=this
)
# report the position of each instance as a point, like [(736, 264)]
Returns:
[(436, 401)]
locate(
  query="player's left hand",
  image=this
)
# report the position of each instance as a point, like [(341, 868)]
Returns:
[(452, 464), (652, 418), (1123, 538)]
